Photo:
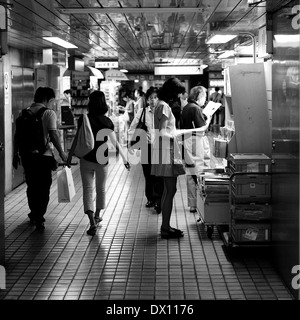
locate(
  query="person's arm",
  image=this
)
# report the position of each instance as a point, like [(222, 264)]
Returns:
[(54, 138), (114, 141), (16, 156)]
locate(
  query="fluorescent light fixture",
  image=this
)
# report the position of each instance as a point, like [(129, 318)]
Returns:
[(220, 38), (60, 42), (227, 54), (178, 70), (124, 70)]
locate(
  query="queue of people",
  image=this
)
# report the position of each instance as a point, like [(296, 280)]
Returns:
[(158, 156)]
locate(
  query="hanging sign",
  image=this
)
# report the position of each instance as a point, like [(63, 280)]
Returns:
[(114, 74)]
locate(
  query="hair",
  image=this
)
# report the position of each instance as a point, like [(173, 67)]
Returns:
[(97, 103), (150, 91), (126, 93), (196, 91), (43, 93), (140, 92), (170, 89), (217, 89), (68, 91)]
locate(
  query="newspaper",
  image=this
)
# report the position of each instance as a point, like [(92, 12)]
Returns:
[(211, 108)]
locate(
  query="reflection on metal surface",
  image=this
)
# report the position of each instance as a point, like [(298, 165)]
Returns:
[(135, 31), (285, 154)]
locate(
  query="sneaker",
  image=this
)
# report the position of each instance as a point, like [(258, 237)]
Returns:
[(193, 209)]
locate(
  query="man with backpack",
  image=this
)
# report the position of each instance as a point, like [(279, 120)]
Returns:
[(36, 131)]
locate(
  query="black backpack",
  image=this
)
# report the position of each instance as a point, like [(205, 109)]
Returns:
[(30, 133)]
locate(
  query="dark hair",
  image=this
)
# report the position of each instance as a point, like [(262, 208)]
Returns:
[(140, 91), (150, 91), (170, 89), (43, 93), (97, 103), (127, 93), (217, 89), (68, 91)]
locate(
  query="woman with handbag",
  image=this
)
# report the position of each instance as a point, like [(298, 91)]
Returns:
[(93, 168), (144, 119), (165, 148)]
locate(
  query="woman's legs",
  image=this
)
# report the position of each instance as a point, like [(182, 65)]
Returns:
[(101, 177), (87, 176), (167, 201)]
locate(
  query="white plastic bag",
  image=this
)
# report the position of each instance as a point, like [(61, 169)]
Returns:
[(85, 141), (65, 185)]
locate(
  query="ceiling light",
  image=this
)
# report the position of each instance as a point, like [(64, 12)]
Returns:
[(124, 70), (220, 38), (178, 70), (60, 42)]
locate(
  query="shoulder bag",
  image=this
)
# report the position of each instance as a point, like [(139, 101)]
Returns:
[(85, 140), (140, 126)]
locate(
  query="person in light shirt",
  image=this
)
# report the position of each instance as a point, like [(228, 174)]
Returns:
[(153, 185)]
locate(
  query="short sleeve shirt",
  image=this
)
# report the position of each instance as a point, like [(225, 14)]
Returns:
[(163, 109)]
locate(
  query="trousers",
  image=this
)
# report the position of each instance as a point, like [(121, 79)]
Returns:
[(93, 176), (38, 177)]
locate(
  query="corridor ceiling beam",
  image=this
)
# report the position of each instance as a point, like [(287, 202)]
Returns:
[(87, 10)]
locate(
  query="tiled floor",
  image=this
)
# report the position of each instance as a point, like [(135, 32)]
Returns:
[(127, 259)]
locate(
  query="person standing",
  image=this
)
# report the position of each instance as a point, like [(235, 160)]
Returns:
[(162, 162), (94, 168), (38, 165), (195, 144), (153, 184), (219, 115), (140, 100)]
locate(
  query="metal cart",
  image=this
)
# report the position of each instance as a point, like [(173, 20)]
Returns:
[(213, 201)]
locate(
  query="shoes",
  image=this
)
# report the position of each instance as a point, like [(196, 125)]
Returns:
[(149, 204), (31, 218), (92, 230), (193, 209), (172, 233), (157, 208), (97, 220), (40, 226)]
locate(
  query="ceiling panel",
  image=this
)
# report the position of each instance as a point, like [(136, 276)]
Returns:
[(139, 33)]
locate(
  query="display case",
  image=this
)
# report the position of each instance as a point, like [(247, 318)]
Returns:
[(80, 85)]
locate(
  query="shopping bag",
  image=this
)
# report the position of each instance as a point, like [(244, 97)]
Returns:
[(65, 185), (85, 141)]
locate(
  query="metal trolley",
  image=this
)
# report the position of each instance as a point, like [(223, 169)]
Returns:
[(213, 201)]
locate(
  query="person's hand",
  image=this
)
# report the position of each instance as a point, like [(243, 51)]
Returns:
[(63, 156), (69, 160), (127, 165), (16, 161)]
